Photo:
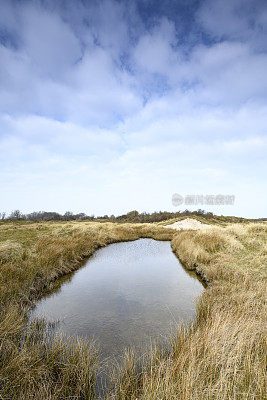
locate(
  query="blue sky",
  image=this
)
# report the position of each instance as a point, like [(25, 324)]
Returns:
[(109, 106)]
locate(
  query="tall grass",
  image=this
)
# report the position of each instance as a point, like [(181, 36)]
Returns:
[(220, 356), (32, 364)]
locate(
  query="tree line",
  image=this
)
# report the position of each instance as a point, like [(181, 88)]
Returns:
[(132, 216)]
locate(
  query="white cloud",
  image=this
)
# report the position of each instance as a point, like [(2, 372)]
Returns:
[(103, 113), (235, 19), (154, 52)]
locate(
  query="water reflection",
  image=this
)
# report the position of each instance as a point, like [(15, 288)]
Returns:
[(125, 295)]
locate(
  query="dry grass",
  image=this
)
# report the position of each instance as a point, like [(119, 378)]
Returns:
[(221, 356), (32, 364)]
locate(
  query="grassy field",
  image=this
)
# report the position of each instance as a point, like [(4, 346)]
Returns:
[(220, 356)]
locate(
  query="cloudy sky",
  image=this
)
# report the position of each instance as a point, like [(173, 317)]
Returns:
[(108, 106)]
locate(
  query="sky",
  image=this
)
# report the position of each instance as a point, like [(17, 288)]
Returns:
[(109, 106)]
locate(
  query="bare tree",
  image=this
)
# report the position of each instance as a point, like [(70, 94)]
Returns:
[(68, 215), (16, 215)]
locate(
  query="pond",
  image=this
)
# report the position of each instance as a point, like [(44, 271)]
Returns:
[(127, 294)]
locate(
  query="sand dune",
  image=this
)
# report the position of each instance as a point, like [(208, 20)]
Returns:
[(188, 223)]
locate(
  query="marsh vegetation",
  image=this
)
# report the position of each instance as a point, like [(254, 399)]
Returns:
[(221, 355)]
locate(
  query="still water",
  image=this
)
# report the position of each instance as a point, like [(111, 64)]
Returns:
[(126, 295)]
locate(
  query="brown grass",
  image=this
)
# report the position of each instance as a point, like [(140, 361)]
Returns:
[(220, 356), (32, 256)]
